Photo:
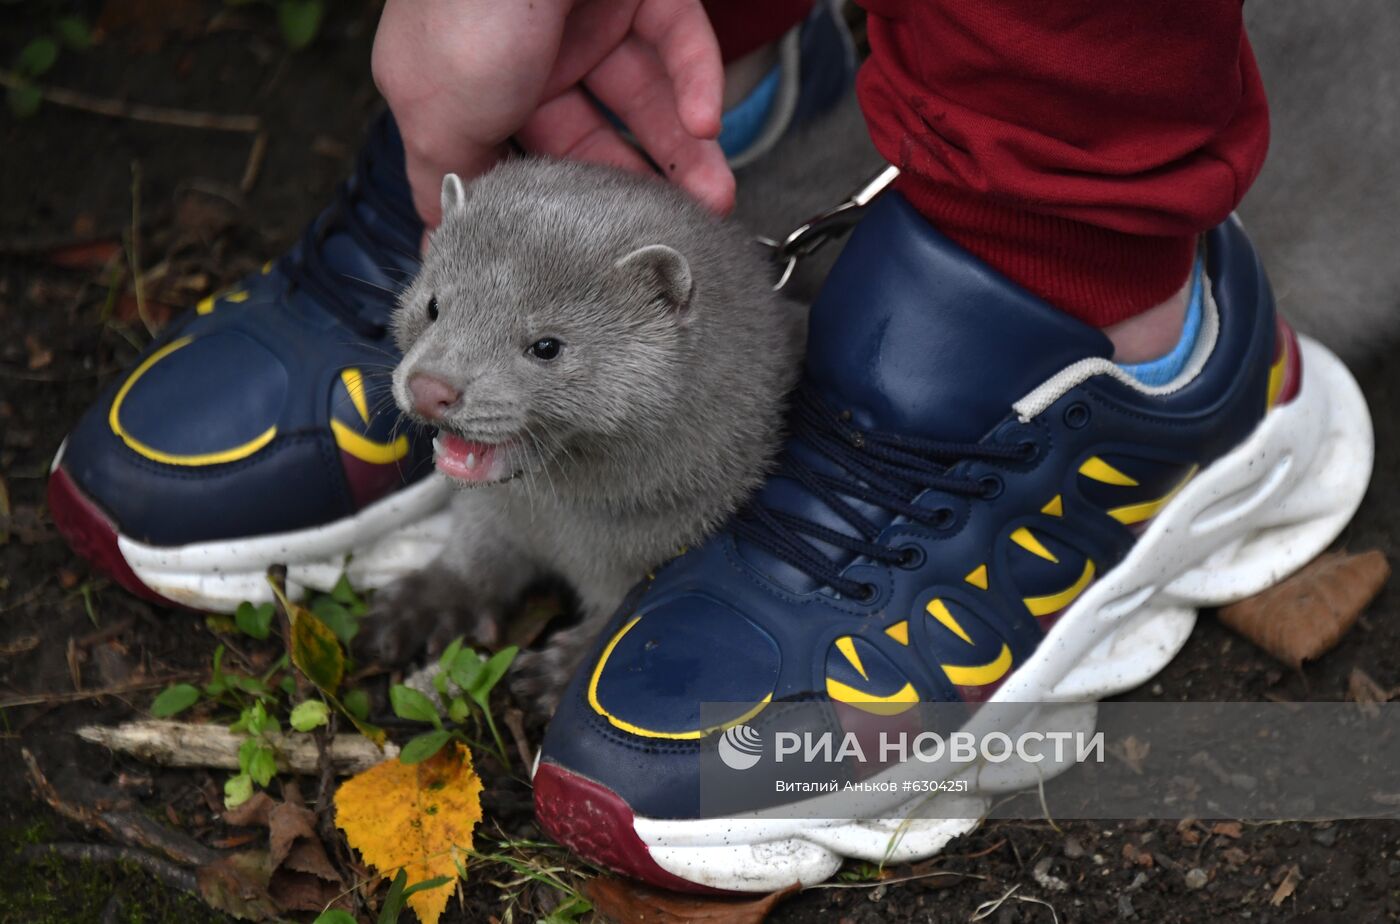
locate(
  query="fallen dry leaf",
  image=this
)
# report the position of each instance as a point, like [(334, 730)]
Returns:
[(40, 356), (1231, 829), (1366, 693), (414, 817), (128, 310), (1132, 752), (1302, 618), (89, 255), (237, 885), (626, 902), (301, 876), (1288, 886)]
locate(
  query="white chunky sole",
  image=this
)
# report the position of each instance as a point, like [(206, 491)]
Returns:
[(382, 543), (1247, 521)]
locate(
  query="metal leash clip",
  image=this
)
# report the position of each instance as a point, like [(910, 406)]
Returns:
[(813, 234)]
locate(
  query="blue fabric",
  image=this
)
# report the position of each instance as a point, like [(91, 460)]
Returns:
[(742, 124), (918, 341), (1163, 369)]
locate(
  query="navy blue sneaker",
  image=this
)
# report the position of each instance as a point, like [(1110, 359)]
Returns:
[(975, 505), (259, 427)]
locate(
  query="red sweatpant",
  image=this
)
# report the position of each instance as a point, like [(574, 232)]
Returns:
[(1077, 146)]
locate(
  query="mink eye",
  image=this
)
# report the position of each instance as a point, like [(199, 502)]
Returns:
[(432, 308), (546, 348)]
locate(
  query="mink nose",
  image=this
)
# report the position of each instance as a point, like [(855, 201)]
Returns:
[(432, 397)]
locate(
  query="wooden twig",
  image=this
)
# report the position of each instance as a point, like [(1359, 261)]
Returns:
[(137, 112), (174, 876), (97, 814), (33, 699), (515, 722), (253, 169), (188, 744), (133, 250)]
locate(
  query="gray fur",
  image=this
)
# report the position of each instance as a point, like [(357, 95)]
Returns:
[(660, 416)]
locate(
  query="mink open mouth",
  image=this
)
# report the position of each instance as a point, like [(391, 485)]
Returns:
[(471, 461)]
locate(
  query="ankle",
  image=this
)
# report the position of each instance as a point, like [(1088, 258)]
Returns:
[(1152, 333)]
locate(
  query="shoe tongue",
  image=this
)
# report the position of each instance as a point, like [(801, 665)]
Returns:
[(390, 266), (914, 335)]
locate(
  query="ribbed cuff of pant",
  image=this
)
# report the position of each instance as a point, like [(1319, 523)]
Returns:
[(1095, 274)]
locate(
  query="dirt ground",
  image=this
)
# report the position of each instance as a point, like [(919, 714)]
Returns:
[(68, 323)]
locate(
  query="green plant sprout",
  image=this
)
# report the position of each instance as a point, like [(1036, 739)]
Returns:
[(474, 677)]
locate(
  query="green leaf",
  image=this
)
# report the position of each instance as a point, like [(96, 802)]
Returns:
[(334, 916), (449, 655), (300, 20), (218, 683), (340, 620), (458, 710), (255, 621), (491, 673), (263, 766), (343, 593), (433, 883), (315, 649), (568, 911), (37, 57), (421, 748), (466, 669), (357, 704), (74, 32), (246, 751), (237, 790), (250, 685), (256, 719), (409, 704), (220, 624), (174, 700), (311, 714), (393, 902), (23, 100)]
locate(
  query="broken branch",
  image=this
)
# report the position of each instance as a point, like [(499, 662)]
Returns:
[(186, 744)]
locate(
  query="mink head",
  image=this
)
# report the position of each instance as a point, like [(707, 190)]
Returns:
[(556, 309)]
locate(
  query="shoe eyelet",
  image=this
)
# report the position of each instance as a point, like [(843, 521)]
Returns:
[(1030, 451), (991, 486), (868, 593), (944, 518), (911, 557), (1077, 415)]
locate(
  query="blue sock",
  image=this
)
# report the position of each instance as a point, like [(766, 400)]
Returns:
[(1163, 369), (742, 124)]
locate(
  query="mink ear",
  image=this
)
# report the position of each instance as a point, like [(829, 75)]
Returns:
[(661, 269), (454, 194)]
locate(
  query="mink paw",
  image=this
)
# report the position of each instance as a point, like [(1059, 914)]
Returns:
[(421, 614)]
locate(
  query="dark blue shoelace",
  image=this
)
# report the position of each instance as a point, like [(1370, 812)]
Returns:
[(882, 469), (389, 241)]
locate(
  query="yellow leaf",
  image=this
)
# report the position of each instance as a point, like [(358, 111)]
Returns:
[(412, 817)]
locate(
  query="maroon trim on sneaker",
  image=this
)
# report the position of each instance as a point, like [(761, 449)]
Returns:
[(595, 823), (368, 481), (1287, 343), (92, 535)]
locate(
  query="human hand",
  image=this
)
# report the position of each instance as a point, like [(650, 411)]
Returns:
[(464, 76)]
